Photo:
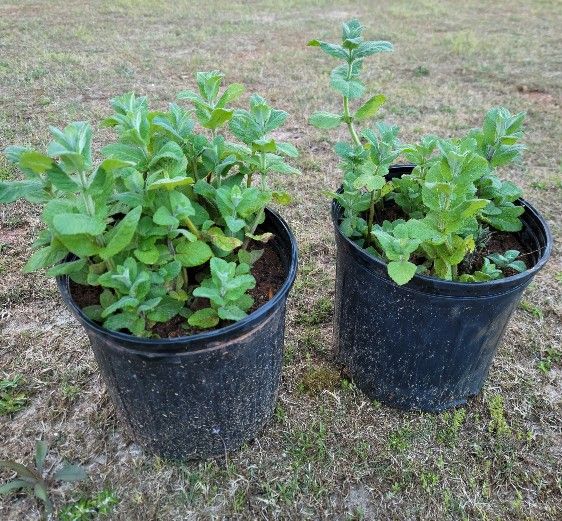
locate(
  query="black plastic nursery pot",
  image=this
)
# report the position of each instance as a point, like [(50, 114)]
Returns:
[(427, 345), (201, 395)]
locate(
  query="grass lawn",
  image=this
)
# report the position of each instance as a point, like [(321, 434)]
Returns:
[(329, 453)]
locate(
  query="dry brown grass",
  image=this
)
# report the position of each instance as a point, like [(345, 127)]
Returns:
[(329, 453)]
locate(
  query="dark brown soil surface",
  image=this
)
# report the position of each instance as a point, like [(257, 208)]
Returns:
[(268, 272), (500, 242), (390, 212)]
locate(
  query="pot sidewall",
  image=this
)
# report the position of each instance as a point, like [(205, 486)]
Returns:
[(429, 344), (204, 395)]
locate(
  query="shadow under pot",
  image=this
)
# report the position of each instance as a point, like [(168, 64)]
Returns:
[(427, 345), (202, 395)]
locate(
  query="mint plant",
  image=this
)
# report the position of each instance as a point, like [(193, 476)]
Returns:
[(449, 202), (508, 260), (167, 202), (226, 291)]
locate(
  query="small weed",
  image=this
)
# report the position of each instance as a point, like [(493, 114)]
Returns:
[(532, 309), (37, 479), (453, 422), (284, 491), (358, 514), (289, 354), (70, 391), (85, 509), (316, 379), (12, 398), (311, 341), (347, 385), (421, 70), (321, 312), (38, 73), (400, 440), (463, 43), (498, 424), (280, 413), (309, 445), (239, 501), (361, 450), (552, 356), (429, 480), (517, 503), (547, 184), (453, 505)]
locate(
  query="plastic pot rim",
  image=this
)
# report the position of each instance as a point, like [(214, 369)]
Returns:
[(184, 343), (446, 285)]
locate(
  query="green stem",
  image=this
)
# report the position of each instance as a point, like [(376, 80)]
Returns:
[(91, 210), (249, 180), (347, 116), (255, 224), (349, 121), (370, 220), (192, 228)]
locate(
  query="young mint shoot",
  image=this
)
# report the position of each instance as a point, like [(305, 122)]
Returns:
[(450, 200)]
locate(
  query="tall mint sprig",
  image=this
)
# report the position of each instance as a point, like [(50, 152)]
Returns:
[(365, 164), (447, 202)]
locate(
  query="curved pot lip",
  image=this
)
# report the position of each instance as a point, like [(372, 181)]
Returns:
[(205, 337), (493, 285)]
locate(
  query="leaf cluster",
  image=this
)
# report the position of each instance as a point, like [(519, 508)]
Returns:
[(452, 194), (84, 509), (144, 223), (12, 398)]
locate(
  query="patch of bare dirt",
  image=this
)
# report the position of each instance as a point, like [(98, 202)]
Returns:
[(539, 96)]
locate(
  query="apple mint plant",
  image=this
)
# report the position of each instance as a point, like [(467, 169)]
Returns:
[(451, 198), (169, 219)]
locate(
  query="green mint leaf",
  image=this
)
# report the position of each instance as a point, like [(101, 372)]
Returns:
[(369, 108), (204, 318), (325, 120)]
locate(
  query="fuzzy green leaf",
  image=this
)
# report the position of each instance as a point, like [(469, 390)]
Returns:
[(204, 318), (70, 473), (15, 484), (231, 93), (75, 224), (369, 48), (351, 88), (370, 107), (41, 449), (325, 120), (122, 234), (13, 190), (401, 272), (231, 312), (337, 51), (192, 254)]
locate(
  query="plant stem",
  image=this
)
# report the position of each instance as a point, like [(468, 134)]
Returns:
[(255, 224), (192, 228), (349, 121), (346, 114), (370, 219), (91, 210)]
